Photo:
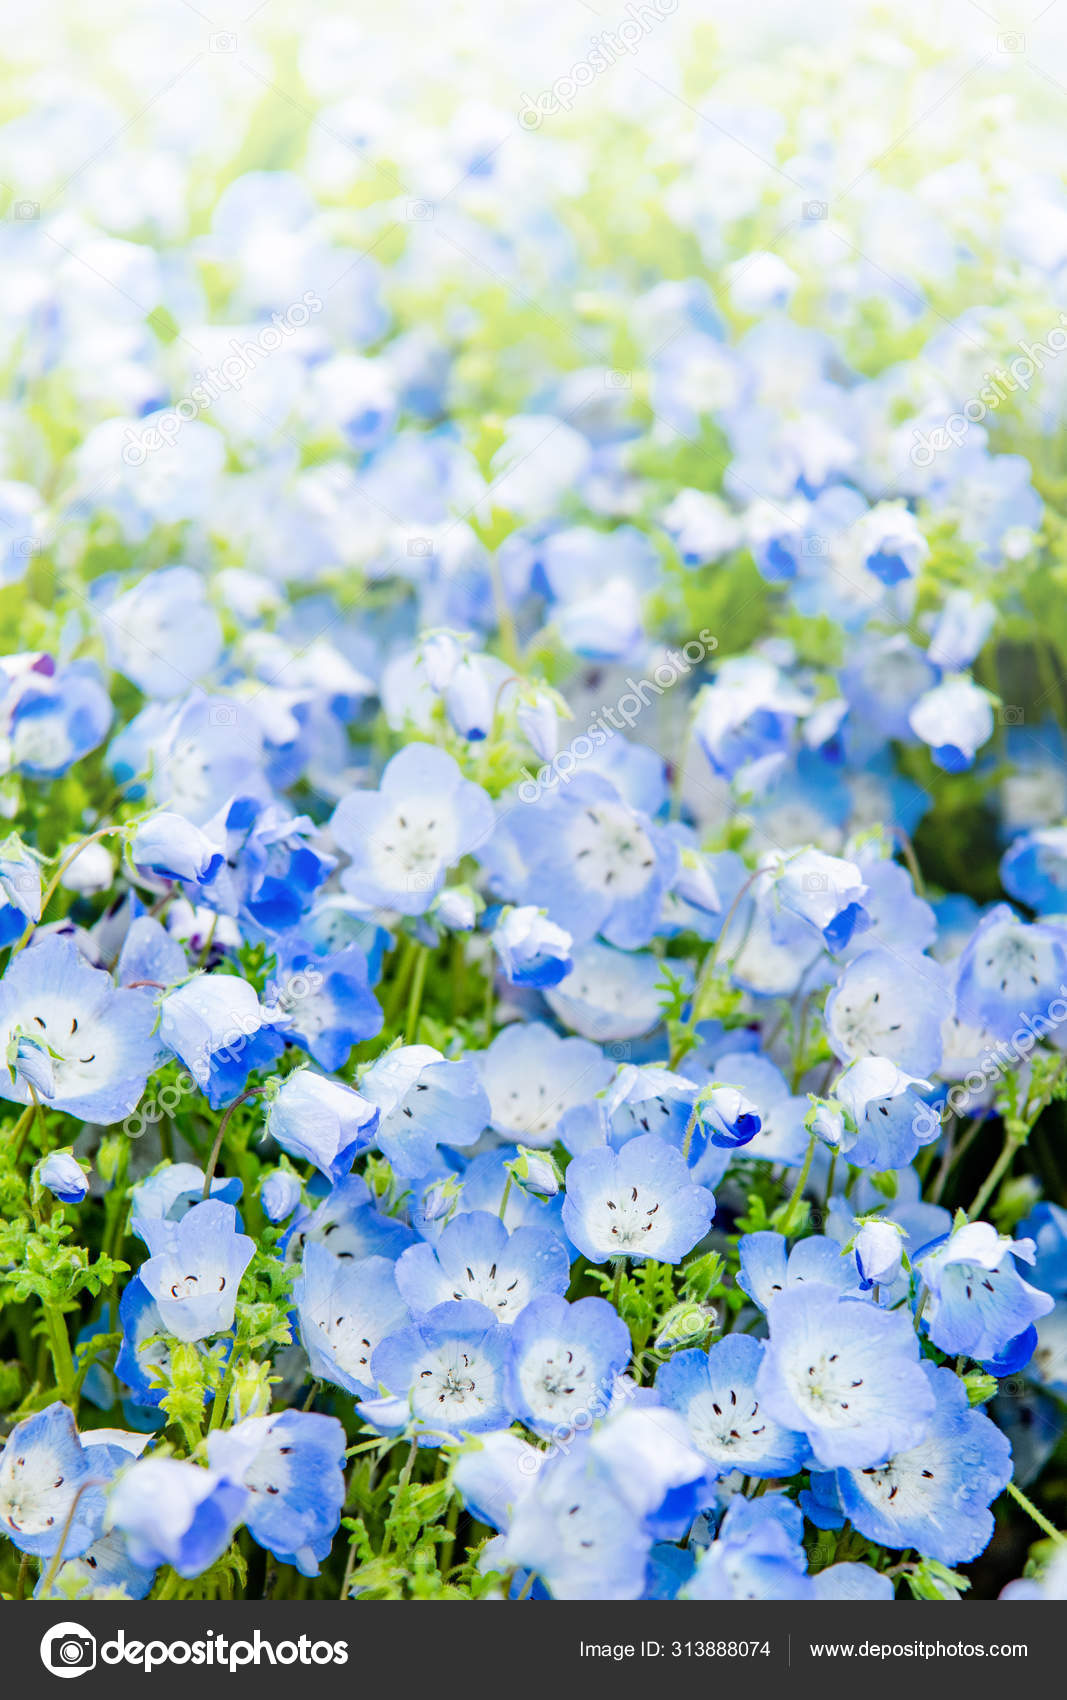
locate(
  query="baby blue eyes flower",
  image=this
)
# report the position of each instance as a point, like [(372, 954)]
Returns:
[(169, 845), (163, 634), (564, 1362), (86, 1047), (715, 1392), (292, 1466), (749, 712), (346, 1306), (1011, 970), (637, 1202), (173, 1190), (887, 1120), (172, 1512), (63, 1176), (979, 1302), (279, 1194), (533, 1076), (217, 1026), (43, 1467), (936, 1495), (57, 719), (826, 892), (756, 1555), (890, 1004), (402, 839), (878, 1250), (195, 1268), (20, 889), (1034, 870), (450, 1366), (729, 1118), (955, 719), (425, 1101), (768, 1267), (533, 951), (845, 1374), (475, 1257), (321, 1121)]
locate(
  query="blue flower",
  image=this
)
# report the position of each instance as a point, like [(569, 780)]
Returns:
[(323, 1003), (1047, 1228), (1009, 970), (979, 1302), (844, 1373), (768, 1267), (348, 1224), (346, 1307), (293, 1467), (1034, 870), (749, 712), (279, 1194), (934, 1496), (533, 951), (729, 1119), (195, 1269), (425, 1102), (955, 719), (321, 1121), (878, 1251), (564, 1362), (851, 1581), (163, 633), (86, 1047), (45, 1471), (715, 1392), (63, 1176), (475, 1257), (533, 1076), (20, 889), (58, 719), (637, 1202), (169, 845), (757, 1554), (825, 891), (221, 1032), (449, 1365), (887, 1120), (172, 1512), (173, 1190), (610, 995), (402, 839), (890, 1004)]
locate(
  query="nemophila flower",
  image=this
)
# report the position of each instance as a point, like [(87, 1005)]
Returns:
[(292, 1465), (20, 889), (217, 1026), (475, 1257), (347, 1223), (701, 526), (960, 630), (425, 1101), (576, 1532), (825, 891), (729, 1119), (609, 995), (851, 1581), (345, 1307), (878, 1251), (749, 712), (769, 1267), (450, 1367), (84, 1046), (144, 1356), (1034, 870), (173, 1512), (889, 1004), (172, 1190), (64, 1176), (272, 865), (594, 862), (195, 1267), (457, 908), (533, 951), (756, 1555), (844, 1373), (564, 1361), (636, 1202), (781, 1136), (637, 1101), (321, 1121), (978, 1300), (279, 1194), (402, 839), (163, 633), (1046, 1227), (1009, 970), (57, 719), (102, 1569), (323, 1003), (934, 1496), (45, 1473), (171, 846), (887, 1120), (533, 1077), (715, 1392), (892, 542), (150, 958), (955, 719)]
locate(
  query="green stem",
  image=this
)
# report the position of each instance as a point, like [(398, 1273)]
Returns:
[(956, 1150), (1039, 1517), (62, 1357), (995, 1175), (786, 1224), (506, 1195), (616, 1291), (418, 981), (209, 1172), (169, 1585), (20, 1130), (57, 1559)]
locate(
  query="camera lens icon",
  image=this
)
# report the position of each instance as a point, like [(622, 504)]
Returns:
[(68, 1649)]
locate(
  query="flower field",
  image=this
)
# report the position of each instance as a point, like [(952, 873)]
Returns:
[(533, 869)]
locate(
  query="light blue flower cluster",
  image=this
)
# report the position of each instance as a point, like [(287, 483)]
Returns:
[(533, 930)]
